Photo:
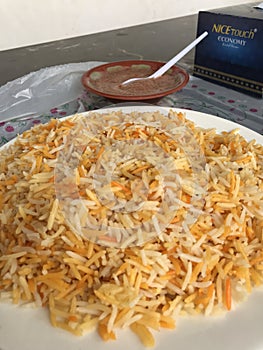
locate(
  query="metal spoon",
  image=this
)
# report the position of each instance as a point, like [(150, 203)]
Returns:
[(170, 63)]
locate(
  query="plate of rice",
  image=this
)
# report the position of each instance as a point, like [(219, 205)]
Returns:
[(136, 227)]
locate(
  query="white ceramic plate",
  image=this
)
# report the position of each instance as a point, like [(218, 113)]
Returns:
[(240, 329)]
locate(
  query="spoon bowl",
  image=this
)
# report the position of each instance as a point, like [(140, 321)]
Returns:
[(105, 80)]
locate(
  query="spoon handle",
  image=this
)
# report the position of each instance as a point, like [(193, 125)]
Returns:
[(177, 57)]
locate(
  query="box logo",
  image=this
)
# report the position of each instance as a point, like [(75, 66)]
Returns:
[(233, 37), (229, 30)]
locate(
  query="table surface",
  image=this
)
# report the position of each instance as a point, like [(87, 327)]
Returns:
[(157, 41)]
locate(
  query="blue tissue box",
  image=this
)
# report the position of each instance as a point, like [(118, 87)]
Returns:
[(232, 54)]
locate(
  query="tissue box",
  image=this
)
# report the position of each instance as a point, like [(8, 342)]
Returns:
[(232, 54)]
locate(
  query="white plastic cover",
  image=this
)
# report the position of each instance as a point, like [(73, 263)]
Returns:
[(38, 92)]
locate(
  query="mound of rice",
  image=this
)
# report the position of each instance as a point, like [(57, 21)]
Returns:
[(87, 282)]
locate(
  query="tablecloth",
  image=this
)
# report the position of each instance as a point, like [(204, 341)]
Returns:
[(198, 95)]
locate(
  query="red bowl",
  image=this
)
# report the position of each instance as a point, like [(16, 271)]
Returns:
[(105, 80)]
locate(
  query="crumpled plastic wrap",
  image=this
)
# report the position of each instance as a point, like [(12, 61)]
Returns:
[(37, 92)]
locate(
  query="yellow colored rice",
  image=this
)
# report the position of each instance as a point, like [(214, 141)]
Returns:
[(86, 285)]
